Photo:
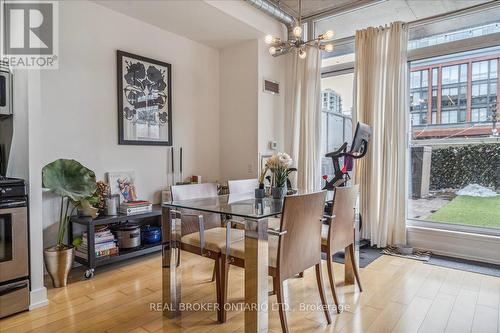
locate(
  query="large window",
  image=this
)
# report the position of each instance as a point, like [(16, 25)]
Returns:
[(336, 108), (455, 154)]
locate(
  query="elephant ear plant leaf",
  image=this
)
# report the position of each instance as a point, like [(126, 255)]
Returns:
[(74, 183)]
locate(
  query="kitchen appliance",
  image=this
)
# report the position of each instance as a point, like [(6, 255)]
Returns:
[(128, 235), (5, 90), (150, 234), (14, 260)]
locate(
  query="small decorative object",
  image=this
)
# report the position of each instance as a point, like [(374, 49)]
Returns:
[(123, 184), (261, 192), (144, 101), (150, 234), (112, 204), (279, 164), (75, 184), (102, 194)]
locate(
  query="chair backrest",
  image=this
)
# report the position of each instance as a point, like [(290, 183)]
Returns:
[(242, 185), (341, 230), (196, 191), (193, 191), (300, 247)]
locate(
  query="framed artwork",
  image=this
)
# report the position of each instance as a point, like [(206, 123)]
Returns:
[(263, 161), (144, 101), (122, 183)]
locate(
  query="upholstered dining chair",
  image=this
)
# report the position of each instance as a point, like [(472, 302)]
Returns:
[(202, 233), (293, 248), (338, 235), (241, 186)]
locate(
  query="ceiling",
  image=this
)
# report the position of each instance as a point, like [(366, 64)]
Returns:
[(313, 7), (204, 22), (384, 12), (196, 20)]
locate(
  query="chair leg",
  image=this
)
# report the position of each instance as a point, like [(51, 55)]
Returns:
[(355, 266), (321, 288), (278, 288), (213, 273), (224, 287), (218, 288), (329, 264)]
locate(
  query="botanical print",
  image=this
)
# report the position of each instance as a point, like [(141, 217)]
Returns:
[(123, 184), (145, 100)]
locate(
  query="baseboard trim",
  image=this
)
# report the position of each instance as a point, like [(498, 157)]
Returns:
[(455, 244), (38, 298)]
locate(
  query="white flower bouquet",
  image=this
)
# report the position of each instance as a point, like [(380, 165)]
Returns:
[(279, 164)]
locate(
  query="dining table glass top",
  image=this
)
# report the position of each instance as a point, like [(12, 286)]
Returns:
[(243, 205)]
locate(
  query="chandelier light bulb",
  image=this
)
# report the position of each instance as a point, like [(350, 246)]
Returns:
[(328, 35), (272, 50), (329, 47), (302, 54), (297, 31), (269, 39)]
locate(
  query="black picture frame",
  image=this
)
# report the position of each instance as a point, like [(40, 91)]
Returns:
[(120, 89)]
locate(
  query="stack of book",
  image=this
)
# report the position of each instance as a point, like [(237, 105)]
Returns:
[(104, 244), (135, 207)]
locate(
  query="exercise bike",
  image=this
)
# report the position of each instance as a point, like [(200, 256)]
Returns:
[(359, 148)]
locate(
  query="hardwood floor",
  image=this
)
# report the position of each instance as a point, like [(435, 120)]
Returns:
[(400, 295)]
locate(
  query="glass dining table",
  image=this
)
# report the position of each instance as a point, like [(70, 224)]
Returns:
[(255, 213)]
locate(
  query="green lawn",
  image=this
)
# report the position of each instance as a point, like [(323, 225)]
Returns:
[(474, 211)]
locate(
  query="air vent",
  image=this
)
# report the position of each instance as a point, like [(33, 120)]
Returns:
[(271, 87)]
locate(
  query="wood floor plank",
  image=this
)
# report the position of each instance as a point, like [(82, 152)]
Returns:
[(489, 293), (388, 318), (485, 320), (437, 317), (462, 314), (412, 318)]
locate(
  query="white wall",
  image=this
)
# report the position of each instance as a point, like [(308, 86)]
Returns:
[(79, 102), (249, 117), (271, 124), (239, 111)]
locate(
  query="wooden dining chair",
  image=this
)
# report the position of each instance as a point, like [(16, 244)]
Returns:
[(203, 233), (293, 248), (248, 186), (338, 235)]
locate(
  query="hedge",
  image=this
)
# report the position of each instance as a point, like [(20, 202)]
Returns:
[(457, 166)]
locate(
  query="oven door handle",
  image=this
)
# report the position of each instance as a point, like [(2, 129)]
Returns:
[(13, 287)]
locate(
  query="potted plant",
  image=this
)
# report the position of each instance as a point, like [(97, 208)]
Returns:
[(76, 185), (279, 164)]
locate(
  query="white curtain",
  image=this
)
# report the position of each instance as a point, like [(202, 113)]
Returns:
[(382, 102), (304, 117)]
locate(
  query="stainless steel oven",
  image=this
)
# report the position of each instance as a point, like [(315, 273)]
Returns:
[(5, 91), (14, 262), (13, 244)]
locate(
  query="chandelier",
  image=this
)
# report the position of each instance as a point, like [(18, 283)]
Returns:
[(278, 47)]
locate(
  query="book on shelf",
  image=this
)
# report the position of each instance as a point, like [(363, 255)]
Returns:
[(98, 254), (130, 210), (137, 203), (104, 244)]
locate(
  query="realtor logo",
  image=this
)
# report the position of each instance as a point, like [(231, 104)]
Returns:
[(30, 34)]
